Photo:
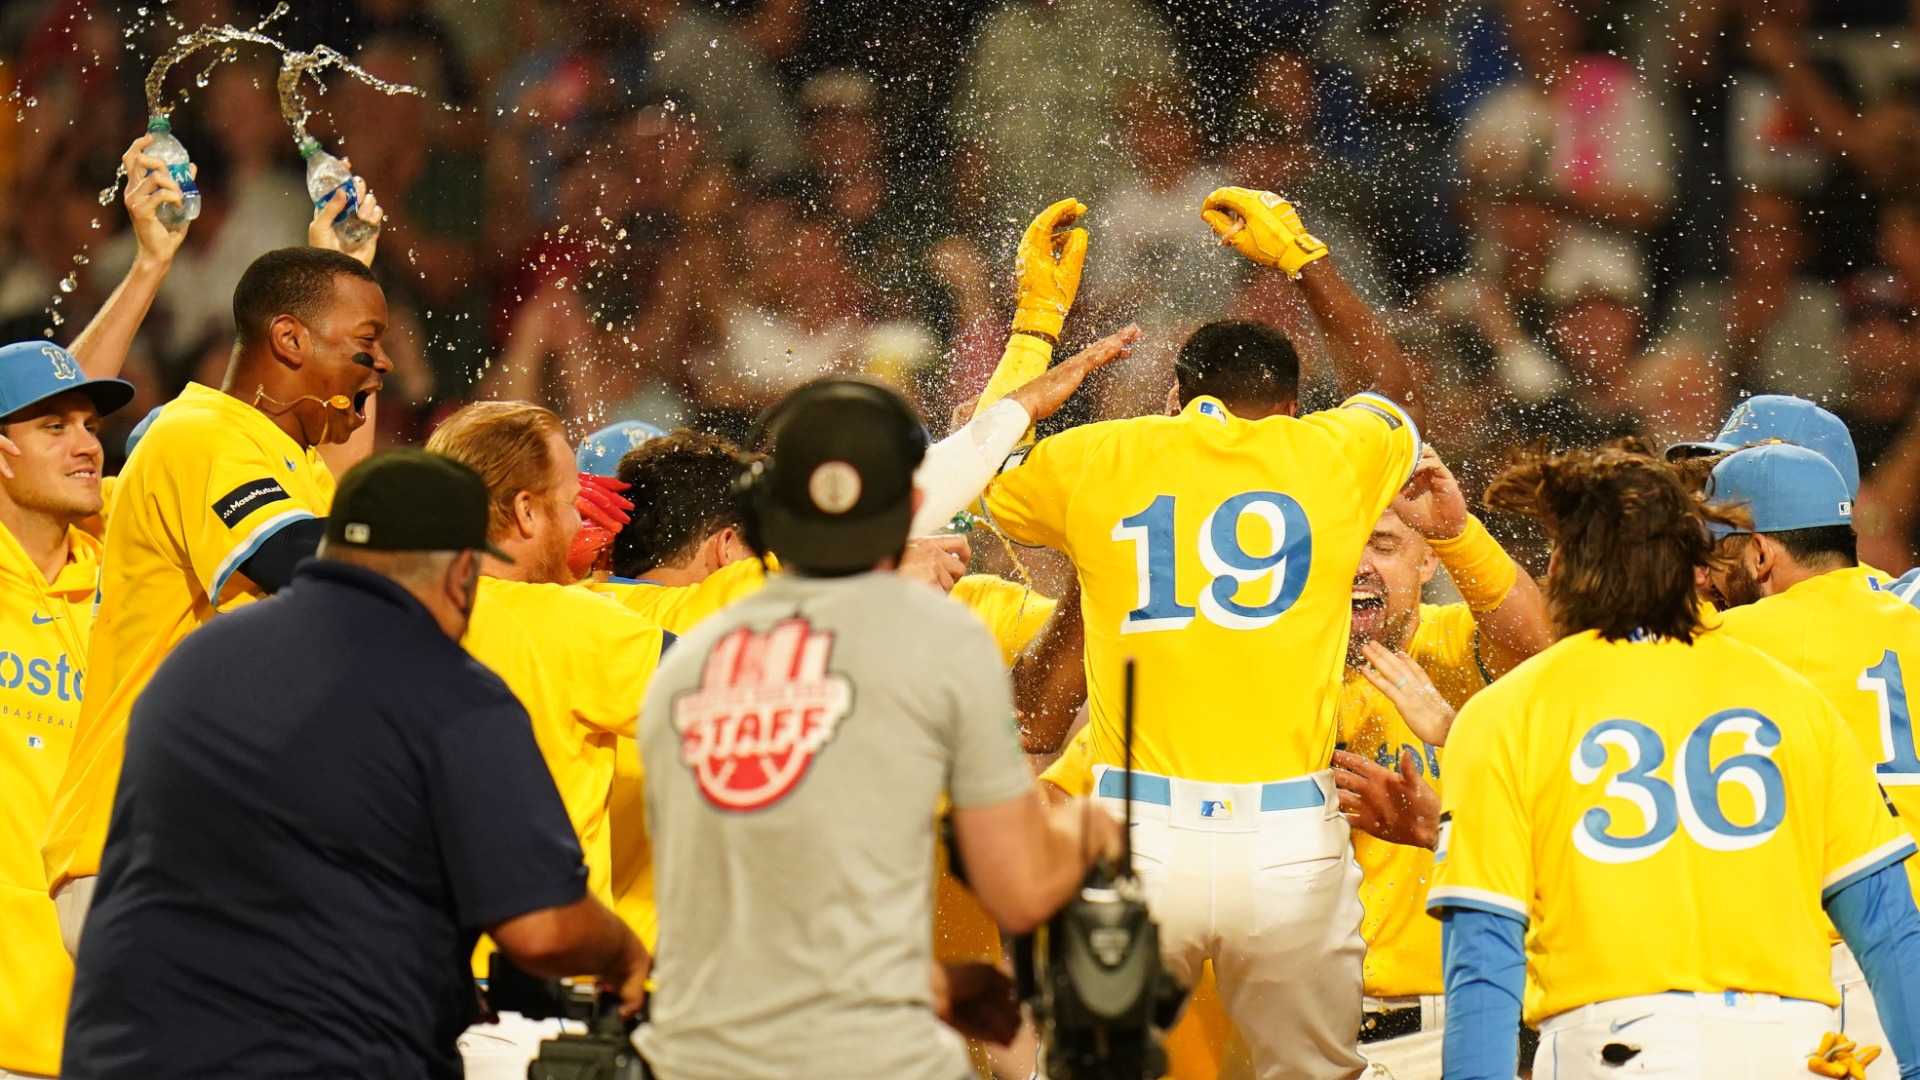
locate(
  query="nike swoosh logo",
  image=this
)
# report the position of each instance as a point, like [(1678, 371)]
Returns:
[(1614, 1028), (38, 621)]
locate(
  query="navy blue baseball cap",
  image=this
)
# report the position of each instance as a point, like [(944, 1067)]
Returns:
[(600, 452), (1789, 419), (33, 371), (1784, 487)]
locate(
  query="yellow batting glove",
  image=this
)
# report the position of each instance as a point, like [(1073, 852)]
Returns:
[(1048, 267), (1840, 1059), (1263, 227)]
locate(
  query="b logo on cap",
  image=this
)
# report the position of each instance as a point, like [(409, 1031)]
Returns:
[(834, 487), (63, 366), (357, 532)]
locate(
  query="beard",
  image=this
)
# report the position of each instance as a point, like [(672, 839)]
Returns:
[(1740, 588), (548, 562)]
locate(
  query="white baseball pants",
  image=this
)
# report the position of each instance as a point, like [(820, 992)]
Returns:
[(1727, 1036), (1271, 896)]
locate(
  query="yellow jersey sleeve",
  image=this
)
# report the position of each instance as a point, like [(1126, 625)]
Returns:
[(1013, 612), (1072, 772), (1381, 442), (1027, 502), (241, 503), (1484, 858)]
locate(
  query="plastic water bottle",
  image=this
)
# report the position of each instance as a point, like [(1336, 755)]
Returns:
[(327, 174), (168, 149)]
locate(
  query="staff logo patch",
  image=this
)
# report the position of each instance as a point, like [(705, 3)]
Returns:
[(765, 706)]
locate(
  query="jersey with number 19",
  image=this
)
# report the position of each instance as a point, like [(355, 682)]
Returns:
[(1220, 552), (1662, 816)]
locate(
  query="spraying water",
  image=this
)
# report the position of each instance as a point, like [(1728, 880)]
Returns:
[(327, 174)]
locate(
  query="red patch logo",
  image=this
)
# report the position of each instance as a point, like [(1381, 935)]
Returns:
[(765, 706)]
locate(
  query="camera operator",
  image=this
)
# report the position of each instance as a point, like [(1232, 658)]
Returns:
[(800, 741), (325, 801)]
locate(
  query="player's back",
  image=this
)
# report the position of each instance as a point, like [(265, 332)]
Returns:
[(1858, 643), (1668, 806), (1220, 552)]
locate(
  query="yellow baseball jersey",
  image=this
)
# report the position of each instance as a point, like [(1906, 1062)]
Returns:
[(675, 609), (1631, 801), (1012, 611), (211, 482), (1220, 553), (580, 663), (42, 668), (1858, 644), (1403, 944)]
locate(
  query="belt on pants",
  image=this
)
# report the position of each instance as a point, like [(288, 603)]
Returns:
[(1390, 1024), (1296, 794)]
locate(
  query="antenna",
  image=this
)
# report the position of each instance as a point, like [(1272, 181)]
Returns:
[(1126, 790)]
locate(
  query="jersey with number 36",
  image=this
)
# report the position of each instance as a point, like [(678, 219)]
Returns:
[(1662, 816), (1219, 552)]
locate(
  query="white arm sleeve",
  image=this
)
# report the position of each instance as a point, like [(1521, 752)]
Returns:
[(959, 467)]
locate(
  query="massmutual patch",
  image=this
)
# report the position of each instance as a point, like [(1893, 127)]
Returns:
[(235, 505)]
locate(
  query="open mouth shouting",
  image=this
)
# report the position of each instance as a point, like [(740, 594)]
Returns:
[(361, 398), (1369, 606)]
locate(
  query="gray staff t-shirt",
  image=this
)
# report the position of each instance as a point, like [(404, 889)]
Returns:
[(797, 746)]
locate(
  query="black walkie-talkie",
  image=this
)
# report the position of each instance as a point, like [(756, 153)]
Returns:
[(1101, 996)]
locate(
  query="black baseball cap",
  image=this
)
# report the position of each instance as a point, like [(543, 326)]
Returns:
[(411, 500), (838, 484)]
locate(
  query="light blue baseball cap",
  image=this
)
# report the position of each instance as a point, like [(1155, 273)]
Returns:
[(1784, 487), (1789, 419), (33, 371), (140, 429), (600, 452)]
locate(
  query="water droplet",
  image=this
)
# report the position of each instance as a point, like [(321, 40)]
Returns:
[(32, 101), (69, 283)]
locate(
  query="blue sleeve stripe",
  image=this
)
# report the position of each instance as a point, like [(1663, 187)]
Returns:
[(260, 535), (1887, 854), (1493, 903), (1390, 410)]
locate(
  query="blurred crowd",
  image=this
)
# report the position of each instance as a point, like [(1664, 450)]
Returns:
[(1584, 218)]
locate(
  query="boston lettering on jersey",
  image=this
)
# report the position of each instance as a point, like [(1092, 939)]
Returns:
[(245, 499), (40, 676)]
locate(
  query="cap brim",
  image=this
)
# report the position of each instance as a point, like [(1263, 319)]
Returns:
[(108, 395), (836, 545), (1685, 450)]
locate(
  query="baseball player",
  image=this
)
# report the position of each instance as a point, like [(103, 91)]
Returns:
[(1207, 544), (1799, 594), (1662, 814), (1409, 666), (228, 493), (49, 413)]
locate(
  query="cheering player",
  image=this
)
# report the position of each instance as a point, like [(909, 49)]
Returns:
[(1799, 594), (1209, 543), (228, 493), (1662, 813)]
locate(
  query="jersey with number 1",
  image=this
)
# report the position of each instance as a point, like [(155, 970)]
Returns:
[(1662, 816), (1220, 553), (1858, 642)]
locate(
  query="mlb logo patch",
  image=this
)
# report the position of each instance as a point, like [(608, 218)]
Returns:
[(1221, 809), (35, 742)]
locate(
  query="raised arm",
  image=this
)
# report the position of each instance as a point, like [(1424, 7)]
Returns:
[(1266, 229), (102, 346), (1508, 608), (1050, 677)]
